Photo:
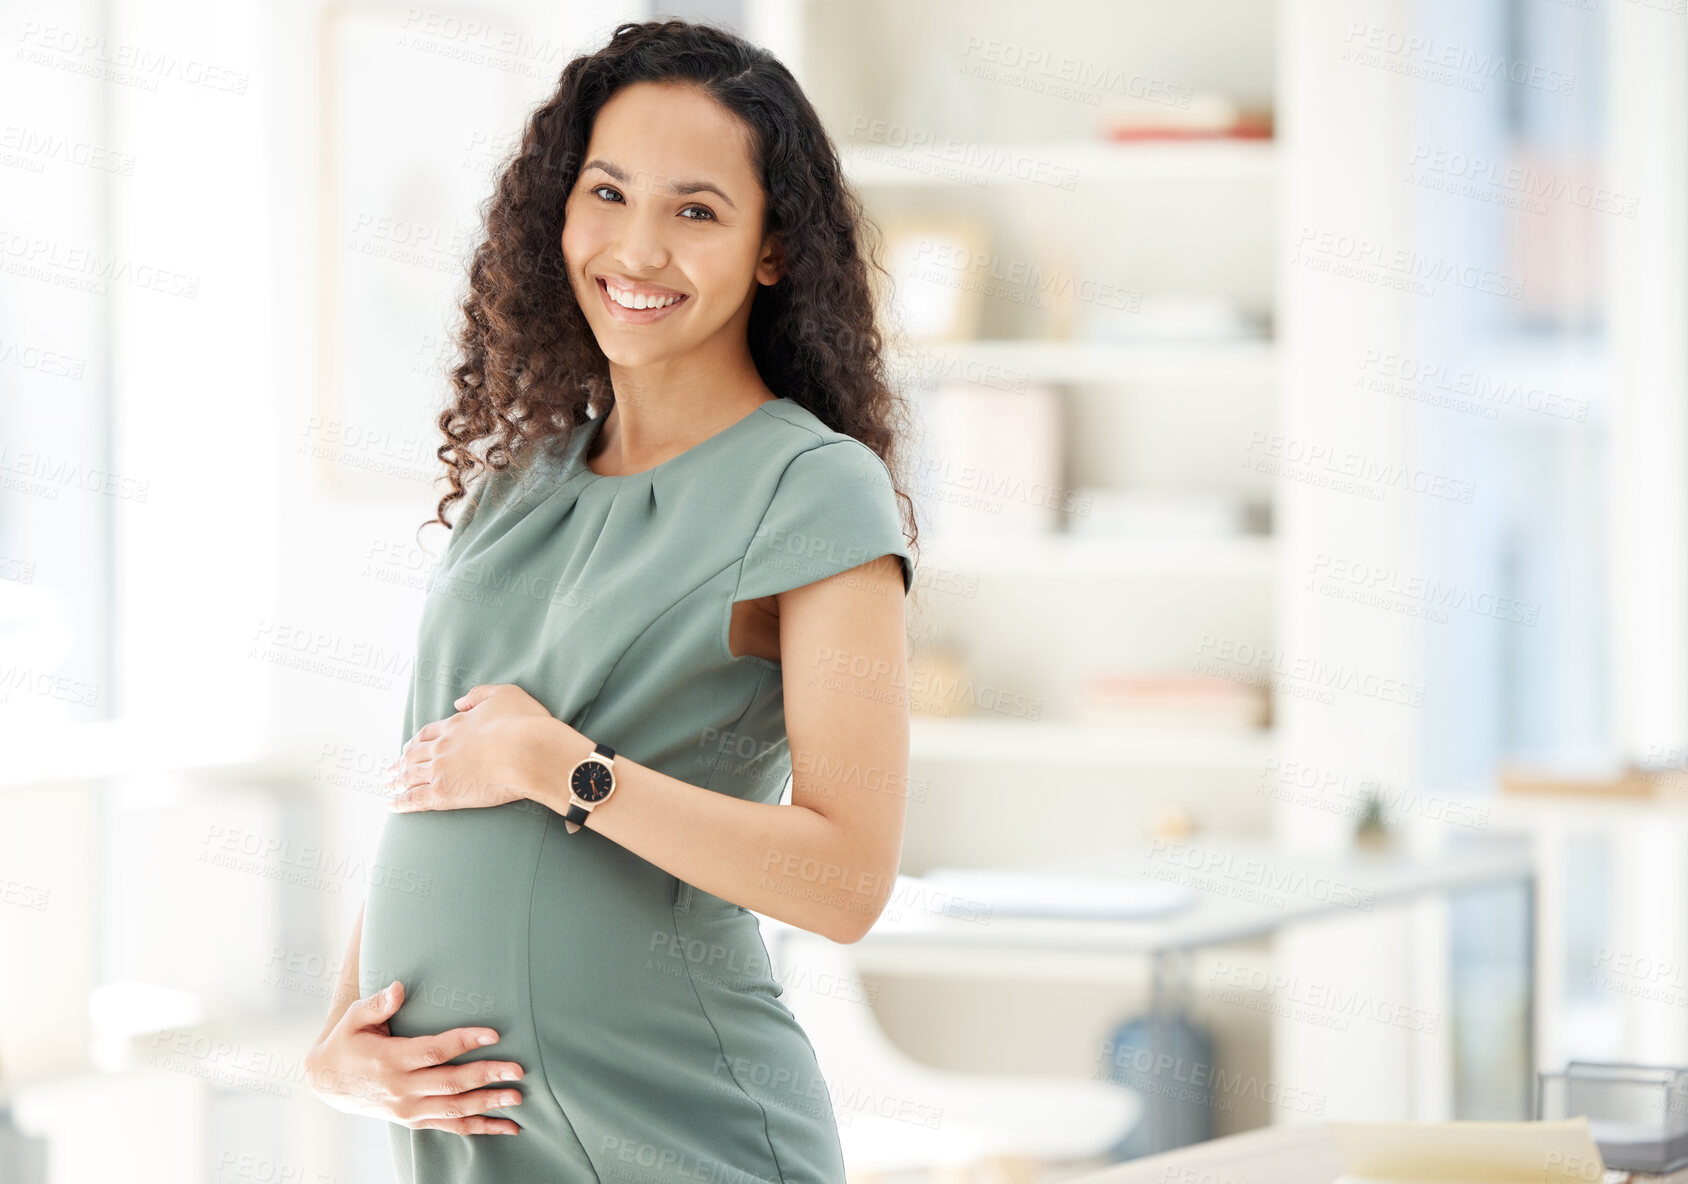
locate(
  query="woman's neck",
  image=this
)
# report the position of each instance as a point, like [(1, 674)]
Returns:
[(653, 420)]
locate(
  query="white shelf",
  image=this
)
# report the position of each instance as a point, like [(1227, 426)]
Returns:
[(1059, 164), (1063, 556), (1002, 740), (1005, 364)]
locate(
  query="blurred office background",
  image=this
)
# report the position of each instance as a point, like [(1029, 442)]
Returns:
[(1304, 405)]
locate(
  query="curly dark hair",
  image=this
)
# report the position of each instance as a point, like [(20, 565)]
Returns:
[(529, 368)]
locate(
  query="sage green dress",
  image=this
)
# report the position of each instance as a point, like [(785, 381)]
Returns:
[(655, 1042)]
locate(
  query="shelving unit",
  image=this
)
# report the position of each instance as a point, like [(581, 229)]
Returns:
[(1250, 559), (1069, 744), (1041, 612), (1102, 362), (874, 164)]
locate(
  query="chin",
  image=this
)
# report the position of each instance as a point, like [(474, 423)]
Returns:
[(624, 354)]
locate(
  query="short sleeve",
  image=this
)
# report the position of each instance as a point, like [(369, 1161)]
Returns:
[(835, 508)]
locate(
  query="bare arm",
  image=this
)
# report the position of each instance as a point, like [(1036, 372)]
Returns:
[(828, 861), (346, 988)]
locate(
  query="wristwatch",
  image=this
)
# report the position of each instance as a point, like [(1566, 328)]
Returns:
[(590, 783)]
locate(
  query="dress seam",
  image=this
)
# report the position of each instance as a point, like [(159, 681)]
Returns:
[(674, 919), (763, 517), (725, 636), (634, 642), (533, 1019)]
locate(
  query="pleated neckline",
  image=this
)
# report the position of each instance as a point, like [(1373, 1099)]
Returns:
[(588, 432)]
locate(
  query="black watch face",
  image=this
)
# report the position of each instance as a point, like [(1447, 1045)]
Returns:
[(592, 782)]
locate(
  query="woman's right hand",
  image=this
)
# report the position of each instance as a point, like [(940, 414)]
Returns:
[(362, 1068)]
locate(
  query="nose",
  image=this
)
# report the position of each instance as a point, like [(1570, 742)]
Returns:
[(642, 244)]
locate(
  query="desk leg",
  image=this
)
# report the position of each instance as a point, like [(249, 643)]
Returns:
[(1168, 1077), (1531, 997), (1154, 1104)]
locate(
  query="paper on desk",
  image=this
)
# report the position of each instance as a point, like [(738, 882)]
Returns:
[(1466, 1152), (1039, 894)]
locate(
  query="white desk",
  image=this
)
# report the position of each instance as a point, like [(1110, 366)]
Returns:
[(1301, 1153), (933, 935), (1290, 1154), (920, 935)]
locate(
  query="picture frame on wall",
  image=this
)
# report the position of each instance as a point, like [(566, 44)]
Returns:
[(935, 292)]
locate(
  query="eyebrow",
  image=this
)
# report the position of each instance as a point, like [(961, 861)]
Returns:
[(677, 187)]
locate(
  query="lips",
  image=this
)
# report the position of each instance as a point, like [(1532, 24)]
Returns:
[(646, 291)]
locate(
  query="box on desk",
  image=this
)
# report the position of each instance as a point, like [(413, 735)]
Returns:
[(1637, 1114)]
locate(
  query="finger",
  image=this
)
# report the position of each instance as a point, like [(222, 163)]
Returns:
[(378, 1008), (474, 695), (453, 789), (411, 769), (414, 800), (415, 789), (418, 771), (460, 1079), (419, 1109), (422, 1052), (473, 1125)]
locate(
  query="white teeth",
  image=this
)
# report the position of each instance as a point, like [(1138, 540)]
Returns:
[(636, 301)]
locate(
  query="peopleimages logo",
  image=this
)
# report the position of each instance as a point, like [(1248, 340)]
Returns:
[(125, 62), (824, 550), (1319, 463), (1384, 584), (992, 489), (1326, 1005), (1532, 187), (1203, 1084), (1432, 59), (874, 676), (1397, 266), (303, 864), (1249, 877), (1458, 389), (970, 158), (1045, 72), (1264, 665), (1303, 784)]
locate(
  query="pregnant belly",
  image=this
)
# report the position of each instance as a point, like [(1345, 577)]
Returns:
[(447, 915), (491, 916), (625, 1009)]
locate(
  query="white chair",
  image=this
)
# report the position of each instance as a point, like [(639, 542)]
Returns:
[(898, 1115)]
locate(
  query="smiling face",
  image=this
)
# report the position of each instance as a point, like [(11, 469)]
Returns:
[(663, 233)]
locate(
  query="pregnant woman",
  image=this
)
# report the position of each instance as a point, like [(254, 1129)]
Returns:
[(679, 582)]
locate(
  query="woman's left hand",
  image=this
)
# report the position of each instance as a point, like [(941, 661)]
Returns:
[(485, 755)]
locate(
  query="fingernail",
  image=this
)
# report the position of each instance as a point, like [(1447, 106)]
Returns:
[(487, 1040)]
